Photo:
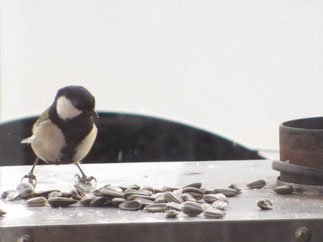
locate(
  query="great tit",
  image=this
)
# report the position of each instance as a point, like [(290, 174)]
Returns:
[(66, 131)]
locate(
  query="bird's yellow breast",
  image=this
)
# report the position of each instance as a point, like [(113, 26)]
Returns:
[(47, 141), (85, 146)]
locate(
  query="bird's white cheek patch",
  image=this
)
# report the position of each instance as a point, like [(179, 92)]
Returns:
[(65, 108)]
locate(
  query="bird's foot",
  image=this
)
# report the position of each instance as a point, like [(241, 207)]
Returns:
[(31, 178), (84, 179)]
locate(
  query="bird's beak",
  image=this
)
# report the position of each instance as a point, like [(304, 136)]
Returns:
[(94, 113)]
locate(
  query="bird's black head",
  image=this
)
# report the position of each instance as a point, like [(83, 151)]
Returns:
[(81, 99)]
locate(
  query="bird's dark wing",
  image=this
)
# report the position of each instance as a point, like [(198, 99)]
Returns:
[(43, 117)]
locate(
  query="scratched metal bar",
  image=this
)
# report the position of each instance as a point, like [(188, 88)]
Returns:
[(244, 221)]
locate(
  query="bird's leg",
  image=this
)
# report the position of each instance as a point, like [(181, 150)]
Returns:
[(84, 178), (31, 177)]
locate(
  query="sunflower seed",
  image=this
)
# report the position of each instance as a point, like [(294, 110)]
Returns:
[(137, 192), (171, 213), (115, 188), (132, 187), (22, 186), (229, 192), (210, 198), (174, 206), (192, 209), (265, 204), (12, 195), (130, 205), (116, 201), (111, 192), (75, 195), (235, 187), (172, 197), (61, 201), (187, 197), (195, 192), (197, 185), (6, 193), (286, 189), (149, 189), (55, 194), (25, 193), (221, 197), (86, 200), (97, 192), (156, 208), (97, 201), (257, 184), (134, 196), (170, 188), (144, 201), (207, 190), (37, 202), (160, 198), (220, 204), (43, 193), (157, 190), (213, 213)]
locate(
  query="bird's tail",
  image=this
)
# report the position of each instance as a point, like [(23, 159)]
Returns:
[(27, 140)]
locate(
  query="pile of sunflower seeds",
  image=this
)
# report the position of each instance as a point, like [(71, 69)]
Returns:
[(192, 199)]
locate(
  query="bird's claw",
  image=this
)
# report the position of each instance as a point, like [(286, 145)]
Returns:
[(85, 179), (31, 179)]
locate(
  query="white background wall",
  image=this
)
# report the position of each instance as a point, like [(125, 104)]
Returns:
[(237, 68)]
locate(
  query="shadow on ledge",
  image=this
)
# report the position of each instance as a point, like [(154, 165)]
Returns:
[(131, 138)]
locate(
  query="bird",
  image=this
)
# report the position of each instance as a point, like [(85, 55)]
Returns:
[(65, 132)]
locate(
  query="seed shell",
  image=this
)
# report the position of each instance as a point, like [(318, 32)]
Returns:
[(221, 197), (12, 195), (172, 197), (213, 213), (220, 204), (171, 213), (257, 184), (285, 189), (229, 192), (86, 200), (111, 192), (37, 202), (265, 204), (61, 201), (6, 193), (98, 201), (116, 201), (44, 193), (210, 198), (170, 188), (195, 184), (130, 205), (235, 187), (174, 206), (156, 208), (192, 209), (195, 192), (144, 202), (22, 186), (187, 197)]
